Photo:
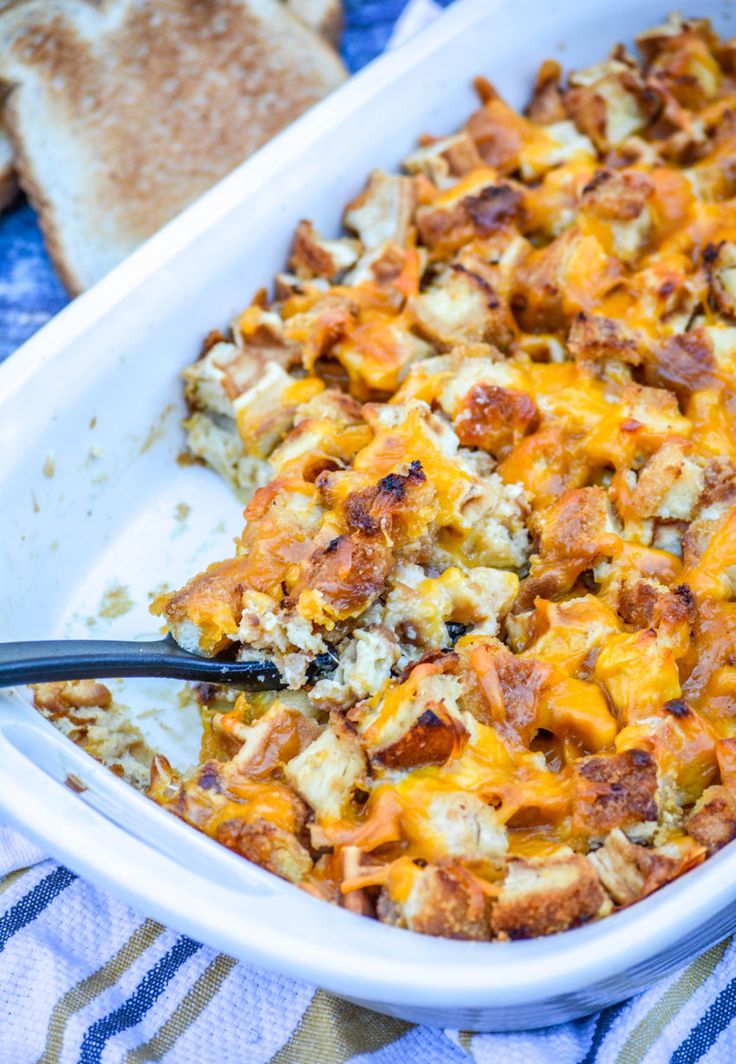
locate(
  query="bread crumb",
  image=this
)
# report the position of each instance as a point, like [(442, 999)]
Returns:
[(115, 602)]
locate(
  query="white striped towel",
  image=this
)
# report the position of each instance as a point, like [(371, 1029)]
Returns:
[(85, 980)]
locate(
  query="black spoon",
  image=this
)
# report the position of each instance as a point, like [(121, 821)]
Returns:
[(81, 659)]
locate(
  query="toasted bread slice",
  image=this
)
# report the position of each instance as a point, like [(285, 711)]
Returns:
[(121, 113), (324, 16), (8, 182)]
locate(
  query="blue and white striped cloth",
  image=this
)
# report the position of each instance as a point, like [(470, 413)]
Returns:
[(85, 980)]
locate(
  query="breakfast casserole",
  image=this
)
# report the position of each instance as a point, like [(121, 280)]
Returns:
[(487, 449)]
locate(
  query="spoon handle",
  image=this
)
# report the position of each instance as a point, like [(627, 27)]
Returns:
[(79, 659)]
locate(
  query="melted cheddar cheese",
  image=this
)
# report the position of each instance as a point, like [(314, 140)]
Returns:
[(488, 449)]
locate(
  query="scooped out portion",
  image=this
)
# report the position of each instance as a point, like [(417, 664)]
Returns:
[(371, 539)]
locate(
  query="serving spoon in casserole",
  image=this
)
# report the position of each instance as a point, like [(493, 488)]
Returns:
[(80, 659), (43, 661)]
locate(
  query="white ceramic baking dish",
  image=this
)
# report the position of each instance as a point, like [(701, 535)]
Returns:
[(94, 399)]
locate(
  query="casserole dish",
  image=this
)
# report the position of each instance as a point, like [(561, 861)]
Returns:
[(115, 478)]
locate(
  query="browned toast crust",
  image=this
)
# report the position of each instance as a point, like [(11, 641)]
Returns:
[(144, 107)]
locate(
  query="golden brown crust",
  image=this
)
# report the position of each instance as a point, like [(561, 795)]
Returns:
[(685, 364), (433, 738), (307, 254), (713, 821), (38, 199), (492, 208), (446, 901), (495, 419), (645, 604), (498, 143), (614, 791), (215, 593), (272, 848), (619, 195), (477, 316), (720, 261), (84, 711), (546, 897), (58, 698), (546, 104), (572, 535), (593, 338), (629, 871), (588, 100)]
